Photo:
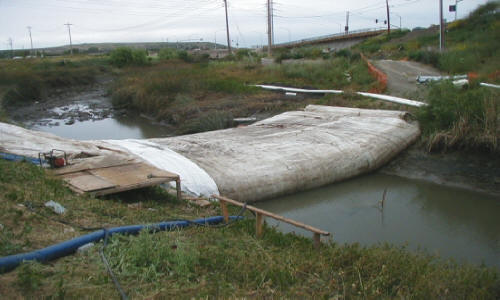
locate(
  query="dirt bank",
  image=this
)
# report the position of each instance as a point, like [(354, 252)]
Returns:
[(65, 106), (472, 171)]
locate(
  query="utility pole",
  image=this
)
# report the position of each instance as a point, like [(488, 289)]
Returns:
[(31, 41), (11, 48), (227, 29), (70, 42), (441, 26), (272, 21), (388, 17), (269, 28), (347, 23)]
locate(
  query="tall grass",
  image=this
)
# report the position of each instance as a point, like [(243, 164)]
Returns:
[(461, 118), (32, 80), (202, 262), (217, 91)]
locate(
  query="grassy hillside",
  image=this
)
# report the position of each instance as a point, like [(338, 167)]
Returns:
[(471, 45), (465, 118), (202, 262)]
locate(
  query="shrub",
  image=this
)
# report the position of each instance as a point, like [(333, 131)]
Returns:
[(343, 53), (460, 118), (124, 56), (28, 90), (426, 57), (167, 53), (184, 55), (213, 120)]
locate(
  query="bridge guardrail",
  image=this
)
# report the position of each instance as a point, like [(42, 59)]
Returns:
[(328, 36)]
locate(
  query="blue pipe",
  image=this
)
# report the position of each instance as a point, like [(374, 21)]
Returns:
[(10, 262), (15, 157)]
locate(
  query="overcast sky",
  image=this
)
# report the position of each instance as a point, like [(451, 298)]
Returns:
[(97, 21)]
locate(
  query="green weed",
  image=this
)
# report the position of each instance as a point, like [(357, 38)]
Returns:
[(124, 56), (30, 275), (461, 118), (200, 262)]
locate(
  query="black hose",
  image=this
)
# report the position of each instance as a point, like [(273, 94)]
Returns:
[(108, 267)]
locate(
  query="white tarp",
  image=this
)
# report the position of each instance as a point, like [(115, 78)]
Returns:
[(194, 180)]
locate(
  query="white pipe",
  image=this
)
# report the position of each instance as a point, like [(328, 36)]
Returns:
[(393, 99), (287, 89), (371, 95), (490, 85)]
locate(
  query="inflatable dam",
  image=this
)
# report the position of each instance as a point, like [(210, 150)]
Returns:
[(287, 153)]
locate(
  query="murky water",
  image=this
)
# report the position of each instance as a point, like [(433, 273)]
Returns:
[(452, 223), (89, 116), (115, 128)]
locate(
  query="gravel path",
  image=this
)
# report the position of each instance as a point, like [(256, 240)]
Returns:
[(402, 75)]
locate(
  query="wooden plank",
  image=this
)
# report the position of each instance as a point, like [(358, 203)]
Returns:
[(259, 220), (88, 182), (274, 216), (133, 174)]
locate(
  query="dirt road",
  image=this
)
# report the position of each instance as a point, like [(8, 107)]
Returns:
[(402, 75)]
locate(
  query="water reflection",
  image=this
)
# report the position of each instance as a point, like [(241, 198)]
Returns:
[(120, 127), (451, 222)]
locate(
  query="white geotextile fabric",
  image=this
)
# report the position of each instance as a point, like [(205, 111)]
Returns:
[(17, 140), (194, 180), (296, 150)]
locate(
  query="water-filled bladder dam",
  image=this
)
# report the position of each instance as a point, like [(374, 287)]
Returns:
[(289, 152)]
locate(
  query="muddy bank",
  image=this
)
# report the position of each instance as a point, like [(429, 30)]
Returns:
[(65, 106), (473, 171)]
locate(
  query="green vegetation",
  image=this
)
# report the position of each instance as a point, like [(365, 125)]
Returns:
[(456, 118), (196, 95), (124, 56), (27, 81), (461, 118), (203, 262), (471, 44)]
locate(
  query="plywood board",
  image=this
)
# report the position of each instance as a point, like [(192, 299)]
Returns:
[(117, 178), (88, 182), (132, 174)]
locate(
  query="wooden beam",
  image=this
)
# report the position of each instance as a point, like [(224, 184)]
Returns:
[(274, 216), (178, 188)]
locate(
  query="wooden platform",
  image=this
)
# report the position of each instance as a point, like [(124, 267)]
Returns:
[(116, 178)]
